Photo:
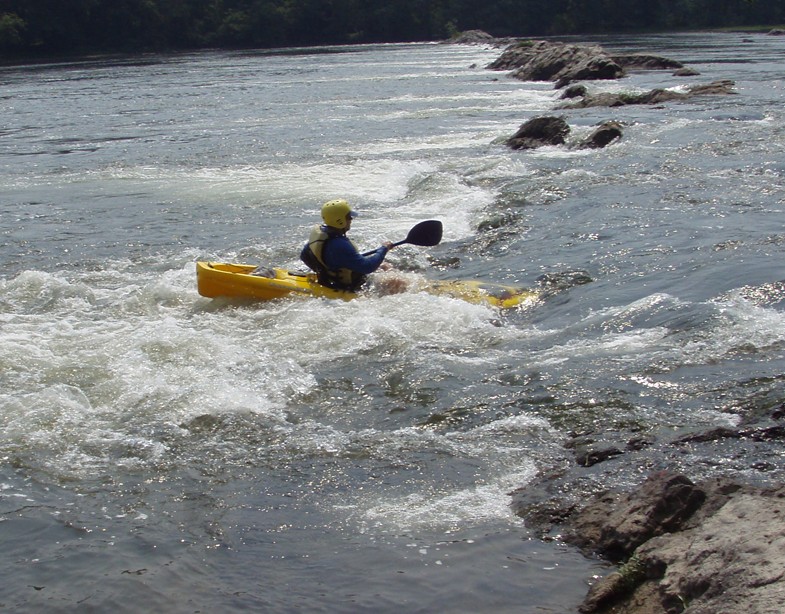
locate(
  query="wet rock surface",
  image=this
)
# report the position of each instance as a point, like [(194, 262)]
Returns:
[(716, 546), (539, 132)]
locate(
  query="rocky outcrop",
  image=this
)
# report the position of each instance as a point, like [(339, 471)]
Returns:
[(656, 96), (713, 547), (565, 63), (559, 62), (616, 524), (542, 131), (644, 61), (515, 55)]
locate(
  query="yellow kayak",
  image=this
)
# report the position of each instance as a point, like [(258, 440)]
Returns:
[(247, 281)]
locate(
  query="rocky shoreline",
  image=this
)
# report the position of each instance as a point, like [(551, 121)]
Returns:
[(681, 538), (717, 546)]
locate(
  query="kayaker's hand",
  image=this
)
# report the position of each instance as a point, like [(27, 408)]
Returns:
[(389, 245)]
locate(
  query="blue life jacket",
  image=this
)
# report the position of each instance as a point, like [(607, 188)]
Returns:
[(312, 255)]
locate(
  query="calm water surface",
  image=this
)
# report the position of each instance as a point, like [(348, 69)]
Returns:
[(163, 452)]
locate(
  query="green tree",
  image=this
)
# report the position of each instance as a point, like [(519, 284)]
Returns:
[(12, 31), (73, 26)]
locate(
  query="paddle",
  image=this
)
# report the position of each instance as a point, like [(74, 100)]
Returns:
[(425, 234)]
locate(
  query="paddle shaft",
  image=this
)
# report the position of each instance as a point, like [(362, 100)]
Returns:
[(426, 234)]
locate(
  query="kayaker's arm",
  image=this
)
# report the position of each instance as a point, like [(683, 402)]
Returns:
[(341, 254)]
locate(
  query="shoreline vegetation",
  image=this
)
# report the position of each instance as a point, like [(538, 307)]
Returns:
[(42, 29)]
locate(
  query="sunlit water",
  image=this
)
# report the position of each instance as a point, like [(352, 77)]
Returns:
[(164, 452)]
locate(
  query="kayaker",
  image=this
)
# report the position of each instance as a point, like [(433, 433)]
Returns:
[(331, 254)]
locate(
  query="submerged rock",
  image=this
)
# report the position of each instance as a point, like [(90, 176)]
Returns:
[(603, 136), (686, 72), (574, 91), (656, 96)]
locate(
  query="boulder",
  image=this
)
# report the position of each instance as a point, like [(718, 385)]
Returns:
[(539, 132), (559, 62), (574, 91), (714, 547), (604, 135)]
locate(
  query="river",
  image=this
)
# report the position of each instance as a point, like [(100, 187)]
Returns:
[(160, 451)]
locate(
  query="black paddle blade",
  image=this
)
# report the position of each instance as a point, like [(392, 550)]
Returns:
[(426, 234)]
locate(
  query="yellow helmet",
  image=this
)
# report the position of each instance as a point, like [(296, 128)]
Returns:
[(334, 213)]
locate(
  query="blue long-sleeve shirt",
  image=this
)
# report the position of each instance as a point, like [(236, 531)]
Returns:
[(340, 253)]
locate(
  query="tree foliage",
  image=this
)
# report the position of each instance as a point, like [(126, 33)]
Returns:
[(78, 26)]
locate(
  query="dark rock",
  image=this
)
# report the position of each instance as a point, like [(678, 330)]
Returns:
[(574, 91), (777, 32), (540, 506), (564, 280), (767, 433), (615, 586), (604, 135), (721, 432), (643, 61), (637, 444), (616, 525), (588, 452), (587, 457), (538, 132)]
